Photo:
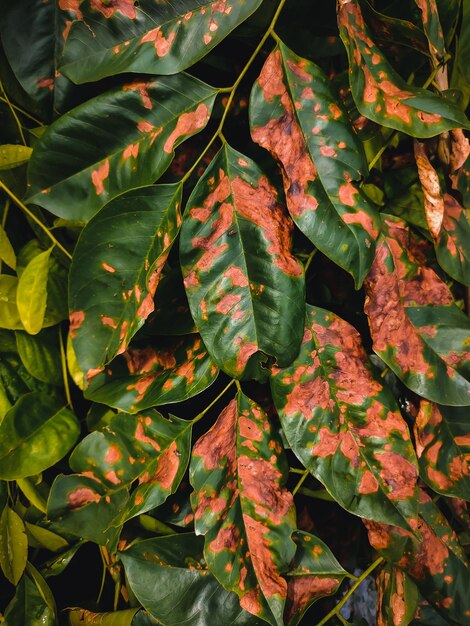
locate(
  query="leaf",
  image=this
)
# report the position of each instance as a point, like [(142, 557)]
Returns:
[(31, 295), (398, 597), (241, 507), (73, 368), (35, 433), (44, 538), (116, 268), (366, 461), (244, 286), (81, 162), (397, 283), (295, 115), (169, 579), (314, 573), (9, 315), (436, 562), (433, 200), (433, 29), (57, 564), (7, 253), (12, 155), (32, 604), (442, 437), (84, 507), (147, 447), (40, 355), (171, 370), (13, 545), (452, 246), (380, 92), (83, 617), (110, 39)]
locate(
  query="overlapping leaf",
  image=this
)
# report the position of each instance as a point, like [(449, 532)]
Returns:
[(398, 597), (453, 244), (244, 286), (442, 437), (170, 580), (81, 163), (344, 426), (169, 371), (148, 37), (113, 278), (436, 562), (314, 573), (397, 283), (240, 505), (432, 28), (295, 115), (433, 200), (381, 94)]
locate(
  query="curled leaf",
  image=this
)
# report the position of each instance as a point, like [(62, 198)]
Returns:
[(433, 200)]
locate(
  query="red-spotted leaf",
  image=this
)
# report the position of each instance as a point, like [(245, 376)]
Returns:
[(240, 505), (295, 115), (147, 36), (81, 162), (244, 286), (381, 94), (442, 436), (147, 447), (433, 29), (397, 597), (436, 562), (398, 283), (433, 200), (453, 243), (314, 573), (115, 271), (169, 371), (344, 426)]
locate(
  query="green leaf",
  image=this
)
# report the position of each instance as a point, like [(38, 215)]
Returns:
[(397, 283), (35, 433), (116, 268), (366, 462), (398, 597), (314, 573), (296, 116), (31, 295), (244, 286), (170, 580), (82, 617), (163, 372), (150, 37), (74, 370), (33, 604), (56, 565), (442, 437), (241, 507), (45, 538), (81, 162), (380, 92), (147, 447), (13, 545), (9, 315), (436, 562), (40, 355), (433, 29), (453, 244), (7, 253), (12, 155)]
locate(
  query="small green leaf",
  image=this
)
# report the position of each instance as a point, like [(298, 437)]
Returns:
[(40, 355), (7, 254), (453, 243), (83, 617), (33, 604), (31, 296), (74, 370), (35, 433), (9, 314), (13, 155), (44, 538), (13, 545)]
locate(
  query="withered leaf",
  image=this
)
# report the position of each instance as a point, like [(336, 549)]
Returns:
[(433, 200)]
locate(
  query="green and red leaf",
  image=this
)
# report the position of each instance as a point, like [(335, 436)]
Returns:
[(344, 426), (433, 29), (244, 286), (397, 597), (241, 507), (453, 243), (295, 116)]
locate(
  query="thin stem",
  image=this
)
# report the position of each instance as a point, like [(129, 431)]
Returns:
[(31, 215), (22, 111), (103, 576), (310, 259), (343, 601), (296, 470), (303, 478), (13, 112), (319, 494), (4, 221), (202, 413), (63, 361), (391, 137)]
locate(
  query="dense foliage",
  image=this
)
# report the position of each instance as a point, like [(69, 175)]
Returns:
[(234, 366)]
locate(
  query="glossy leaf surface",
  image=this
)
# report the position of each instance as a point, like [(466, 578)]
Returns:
[(31, 295), (81, 163), (242, 509), (13, 545), (344, 426), (452, 246), (398, 597), (32, 603), (113, 280), (244, 286), (295, 115)]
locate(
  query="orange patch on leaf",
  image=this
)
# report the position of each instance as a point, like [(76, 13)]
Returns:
[(187, 124), (99, 175)]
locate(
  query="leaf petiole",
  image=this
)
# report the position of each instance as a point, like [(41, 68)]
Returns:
[(209, 406)]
